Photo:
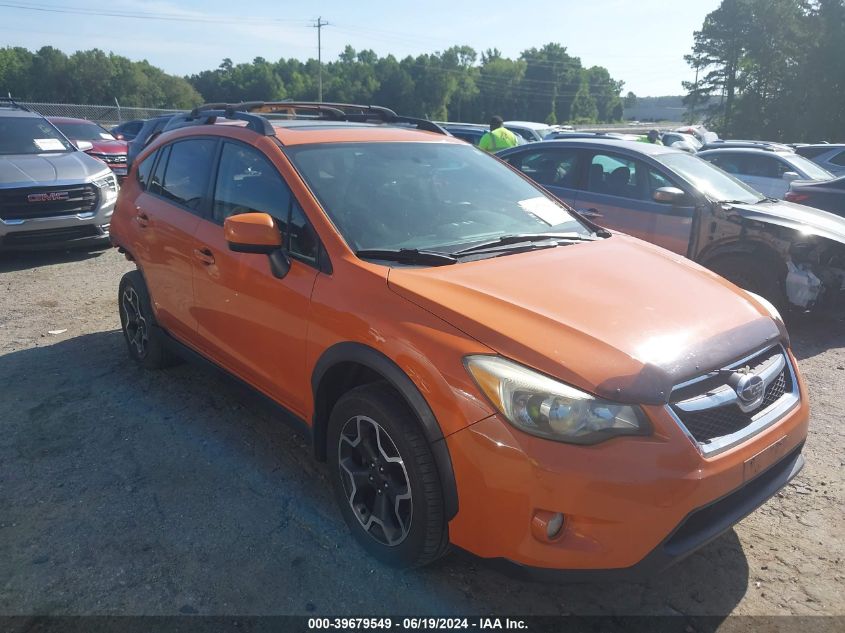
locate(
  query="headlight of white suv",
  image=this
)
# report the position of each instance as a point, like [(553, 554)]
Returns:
[(542, 406), (108, 187)]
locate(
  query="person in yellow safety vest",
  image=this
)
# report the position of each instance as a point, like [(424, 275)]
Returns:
[(652, 137), (499, 137)]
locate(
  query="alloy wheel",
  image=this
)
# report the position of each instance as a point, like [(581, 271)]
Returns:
[(375, 480), (134, 323)]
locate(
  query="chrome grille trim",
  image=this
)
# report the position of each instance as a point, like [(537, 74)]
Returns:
[(760, 420)]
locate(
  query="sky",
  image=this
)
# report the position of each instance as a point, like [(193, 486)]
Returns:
[(641, 42)]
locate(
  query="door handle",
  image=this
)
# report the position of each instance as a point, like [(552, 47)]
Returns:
[(589, 213), (141, 218), (204, 255)]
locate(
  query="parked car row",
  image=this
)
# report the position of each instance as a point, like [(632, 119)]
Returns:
[(462, 347), (469, 341), (52, 193), (793, 255)]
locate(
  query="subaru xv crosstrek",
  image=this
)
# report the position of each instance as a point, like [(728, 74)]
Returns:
[(478, 364), (52, 195)]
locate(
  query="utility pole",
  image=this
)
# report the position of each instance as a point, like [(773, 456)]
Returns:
[(319, 26)]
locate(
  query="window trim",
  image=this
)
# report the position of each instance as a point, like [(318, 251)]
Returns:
[(321, 263)]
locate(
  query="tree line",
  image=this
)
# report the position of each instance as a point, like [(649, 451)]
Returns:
[(772, 69), (543, 84)]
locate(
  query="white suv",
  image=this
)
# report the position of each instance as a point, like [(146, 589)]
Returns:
[(768, 171)]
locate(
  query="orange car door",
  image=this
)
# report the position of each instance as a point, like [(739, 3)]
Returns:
[(167, 215), (249, 321)]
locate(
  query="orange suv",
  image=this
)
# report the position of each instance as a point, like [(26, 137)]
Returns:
[(478, 364)]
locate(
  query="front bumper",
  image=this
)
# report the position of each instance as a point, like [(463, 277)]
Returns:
[(68, 231), (698, 529), (631, 506)]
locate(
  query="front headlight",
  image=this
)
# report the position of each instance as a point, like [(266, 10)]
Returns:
[(541, 406), (108, 187)]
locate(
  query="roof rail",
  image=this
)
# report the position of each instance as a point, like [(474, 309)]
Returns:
[(10, 100), (257, 113), (208, 115)]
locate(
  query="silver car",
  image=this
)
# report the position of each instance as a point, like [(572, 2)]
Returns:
[(52, 194), (769, 171)]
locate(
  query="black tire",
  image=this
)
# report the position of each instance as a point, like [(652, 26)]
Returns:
[(144, 340), (754, 274), (423, 536)]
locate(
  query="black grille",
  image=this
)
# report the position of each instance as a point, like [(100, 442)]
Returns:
[(44, 236), (46, 202), (718, 421)]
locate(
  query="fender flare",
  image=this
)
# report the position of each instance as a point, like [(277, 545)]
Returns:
[(399, 380)]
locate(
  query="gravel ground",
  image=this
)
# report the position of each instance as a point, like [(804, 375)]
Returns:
[(131, 492)]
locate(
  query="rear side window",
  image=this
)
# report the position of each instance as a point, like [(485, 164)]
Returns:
[(839, 159), (613, 175), (554, 168), (145, 170), (248, 183), (158, 175), (188, 171)]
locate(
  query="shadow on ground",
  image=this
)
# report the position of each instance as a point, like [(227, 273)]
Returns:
[(23, 260), (134, 492)]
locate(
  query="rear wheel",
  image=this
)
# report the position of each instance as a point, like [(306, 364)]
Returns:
[(385, 479), (754, 274), (144, 340)]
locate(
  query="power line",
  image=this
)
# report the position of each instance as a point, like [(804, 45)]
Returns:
[(147, 15)]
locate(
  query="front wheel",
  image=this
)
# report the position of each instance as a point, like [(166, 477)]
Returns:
[(144, 340), (385, 479)]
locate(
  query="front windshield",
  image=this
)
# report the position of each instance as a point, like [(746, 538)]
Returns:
[(25, 135), (808, 167), (709, 179), (84, 131), (433, 196)]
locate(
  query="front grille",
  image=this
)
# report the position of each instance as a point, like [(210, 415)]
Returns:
[(43, 236), (716, 422), (46, 202), (111, 159)]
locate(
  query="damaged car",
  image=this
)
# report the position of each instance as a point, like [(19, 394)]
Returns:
[(789, 253)]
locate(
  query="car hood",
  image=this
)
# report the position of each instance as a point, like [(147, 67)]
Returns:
[(617, 317), (807, 220), (47, 169), (109, 147)]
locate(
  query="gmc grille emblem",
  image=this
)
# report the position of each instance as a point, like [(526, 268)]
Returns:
[(51, 196)]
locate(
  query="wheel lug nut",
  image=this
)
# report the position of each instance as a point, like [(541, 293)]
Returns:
[(379, 491)]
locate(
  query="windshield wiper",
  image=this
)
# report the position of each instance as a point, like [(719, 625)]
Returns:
[(408, 256), (520, 238)]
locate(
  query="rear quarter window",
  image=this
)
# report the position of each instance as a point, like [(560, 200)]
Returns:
[(145, 170)]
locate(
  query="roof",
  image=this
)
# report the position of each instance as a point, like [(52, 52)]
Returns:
[(634, 146), (768, 151), (301, 132), (532, 125), (67, 119), (15, 112)]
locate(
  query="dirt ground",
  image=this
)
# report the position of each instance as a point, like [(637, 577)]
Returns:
[(130, 492)]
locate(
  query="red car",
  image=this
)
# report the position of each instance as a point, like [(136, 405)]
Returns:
[(105, 146)]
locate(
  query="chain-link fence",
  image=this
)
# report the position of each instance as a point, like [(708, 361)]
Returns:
[(104, 115)]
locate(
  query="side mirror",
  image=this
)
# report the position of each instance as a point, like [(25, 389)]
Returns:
[(789, 176), (118, 137), (257, 233), (668, 195), (84, 146)]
